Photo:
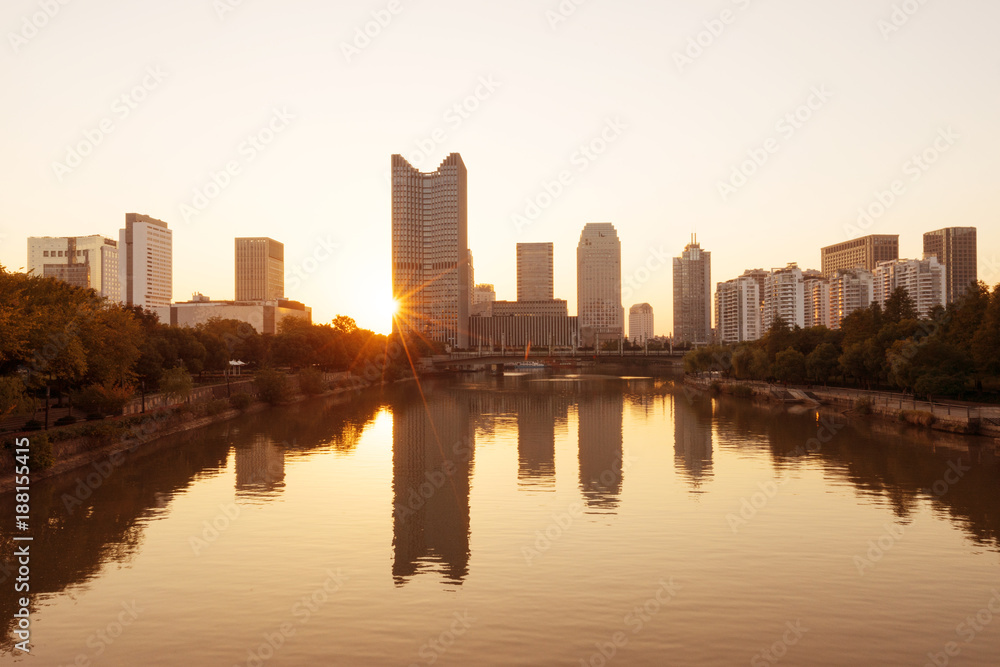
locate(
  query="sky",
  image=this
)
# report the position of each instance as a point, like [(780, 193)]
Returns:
[(764, 126)]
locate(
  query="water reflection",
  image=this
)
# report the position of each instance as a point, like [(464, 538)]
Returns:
[(81, 527), (600, 440), (433, 447), (693, 439)]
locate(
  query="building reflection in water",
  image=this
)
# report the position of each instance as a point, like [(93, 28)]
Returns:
[(537, 416), (432, 455), (599, 415), (260, 467), (693, 439)]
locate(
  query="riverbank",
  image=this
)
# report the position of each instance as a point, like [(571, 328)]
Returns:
[(108, 442), (951, 417)]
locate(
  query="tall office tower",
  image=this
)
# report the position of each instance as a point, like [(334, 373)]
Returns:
[(693, 294), (599, 284), (784, 297), (865, 252), (924, 280), (534, 271), (848, 290), (84, 261), (260, 269), (737, 310), (816, 292), (430, 250), (640, 323), (955, 247), (145, 264)]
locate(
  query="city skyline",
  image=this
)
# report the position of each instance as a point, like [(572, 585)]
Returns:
[(861, 145)]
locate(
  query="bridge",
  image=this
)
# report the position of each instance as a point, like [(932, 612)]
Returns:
[(556, 358)]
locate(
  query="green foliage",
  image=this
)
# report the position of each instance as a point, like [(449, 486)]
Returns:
[(863, 405), (177, 383), (40, 457), (12, 397), (790, 366), (102, 400), (271, 386), (311, 381), (823, 362)]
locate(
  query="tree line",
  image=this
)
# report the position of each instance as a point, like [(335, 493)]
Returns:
[(70, 342), (954, 352)]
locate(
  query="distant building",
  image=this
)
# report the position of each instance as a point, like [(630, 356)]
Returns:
[(849, 290), (955, 248), (924, 280), (737, 310), (865, 252), (264, 316), (640, 323), (693, 295), (145, 264), (430, 250), (260, 269), (522, 331), (84, 261), (599, 284), (547, 308), (534, 271), (784, 297), (483, 296)]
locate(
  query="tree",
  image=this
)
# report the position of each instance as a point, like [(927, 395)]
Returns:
[(789, 366), (899, 306), (177, 383), (344, 324), (823, 362), (986, 340)]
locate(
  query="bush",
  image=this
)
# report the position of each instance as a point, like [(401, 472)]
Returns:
[(241, 401), (101, 400), (65, 421), (177, 384), (41, 452), (217, 406), (33, 425), (918, 417), (94, 416), (863, 405), (742, 391), (311, 382), (272, 386)]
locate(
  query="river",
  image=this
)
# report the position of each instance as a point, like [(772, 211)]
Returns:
[(522, 520)]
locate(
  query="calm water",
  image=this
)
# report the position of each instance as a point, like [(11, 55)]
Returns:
[(524, 521)]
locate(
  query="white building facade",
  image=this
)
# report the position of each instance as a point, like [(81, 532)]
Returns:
[(924, 280), (784, 297), (145, 264), (599, 284), (737, 310), (640, 323), (84, 261)]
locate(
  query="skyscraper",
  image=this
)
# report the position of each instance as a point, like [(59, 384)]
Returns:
[(955, 247), (84, 261), (430, 253), (924, 280), (534, 272), (693, 294), (640, 323), (599, 284), (145, 264), (865, 252), (737, 310), (260, 269)]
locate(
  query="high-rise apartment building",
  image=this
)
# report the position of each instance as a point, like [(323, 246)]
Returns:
[(693, 295), (145, 264), (640, 323), (430, 252), (816, 292), (84, 261), (784, 297), (260, 269), (924, 280), (848, 290), (865, 252), (737, 310), (534, 271), (955, 247), (599, 284)]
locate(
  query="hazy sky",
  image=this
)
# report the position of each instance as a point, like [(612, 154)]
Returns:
[(201, 77)]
